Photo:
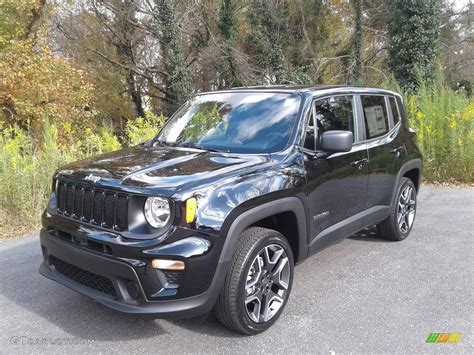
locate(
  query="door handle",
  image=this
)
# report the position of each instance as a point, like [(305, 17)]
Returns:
[(397, 151), (359, 163)]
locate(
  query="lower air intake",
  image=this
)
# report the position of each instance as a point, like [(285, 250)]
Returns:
[(84, 277)]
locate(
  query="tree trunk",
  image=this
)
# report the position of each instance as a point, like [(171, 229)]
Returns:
[(36, 13), (357, 72), (124, 50), (178, 81), (135, 95)]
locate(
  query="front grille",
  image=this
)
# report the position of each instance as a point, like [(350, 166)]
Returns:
[(84, 277), (121, 212), (93, 205), (97, 207)]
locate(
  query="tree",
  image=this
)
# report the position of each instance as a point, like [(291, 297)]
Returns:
[(308, 39), (125, 11), (227, 27), (414, 30), (36, 85), (357, 73), (177, 77), (267, 38), (457, 49), (101, 36)]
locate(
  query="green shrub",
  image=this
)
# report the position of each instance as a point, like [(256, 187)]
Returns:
[(444, 122), (26, 167), (26, 170)]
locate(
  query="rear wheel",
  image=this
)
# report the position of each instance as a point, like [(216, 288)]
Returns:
[(398, 224), (258, 283)]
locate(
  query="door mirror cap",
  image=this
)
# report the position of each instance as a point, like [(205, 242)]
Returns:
[(336, 141)]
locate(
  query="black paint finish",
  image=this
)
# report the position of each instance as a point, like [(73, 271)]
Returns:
[(314, 198)]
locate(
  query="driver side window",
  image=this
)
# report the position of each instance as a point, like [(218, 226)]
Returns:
[(332, 113)]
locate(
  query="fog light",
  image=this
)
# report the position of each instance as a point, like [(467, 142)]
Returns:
[(167, 264), (191, 208)]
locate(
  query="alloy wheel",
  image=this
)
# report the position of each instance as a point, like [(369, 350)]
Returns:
[(266, 286), (406, 209)]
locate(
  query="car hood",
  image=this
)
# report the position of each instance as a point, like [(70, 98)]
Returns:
[(164, 169)]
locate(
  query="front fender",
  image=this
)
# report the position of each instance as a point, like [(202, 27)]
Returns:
[(217, 200)]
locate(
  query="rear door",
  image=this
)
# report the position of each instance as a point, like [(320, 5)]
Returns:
[(337, 184), (385, 147)]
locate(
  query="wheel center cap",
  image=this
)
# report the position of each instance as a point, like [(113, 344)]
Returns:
[(266, 282)]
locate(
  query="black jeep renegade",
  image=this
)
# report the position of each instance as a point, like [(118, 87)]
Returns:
[(237, 188)]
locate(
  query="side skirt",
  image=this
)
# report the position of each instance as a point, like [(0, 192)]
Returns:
[(347, 227)]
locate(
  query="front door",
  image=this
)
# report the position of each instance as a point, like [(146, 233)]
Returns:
[(336, 184)]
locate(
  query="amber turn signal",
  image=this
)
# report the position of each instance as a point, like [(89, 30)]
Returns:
[(191, 209), (167, 264)]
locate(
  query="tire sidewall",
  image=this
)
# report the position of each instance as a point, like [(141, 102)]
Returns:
[(273, 238)]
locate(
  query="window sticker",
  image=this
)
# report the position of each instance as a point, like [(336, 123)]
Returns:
[(375, 120)]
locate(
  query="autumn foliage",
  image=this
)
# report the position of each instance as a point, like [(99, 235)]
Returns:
[(83, 77)]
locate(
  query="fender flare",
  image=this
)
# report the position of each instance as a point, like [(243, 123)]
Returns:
[(244, 220), (410, 165)]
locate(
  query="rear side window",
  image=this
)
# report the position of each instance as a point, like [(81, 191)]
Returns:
[(393, 107), (375, 116)]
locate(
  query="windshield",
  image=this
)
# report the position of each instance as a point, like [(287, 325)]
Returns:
[(234, 122)]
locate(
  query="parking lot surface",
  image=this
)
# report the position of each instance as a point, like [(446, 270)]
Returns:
[(361, 295)]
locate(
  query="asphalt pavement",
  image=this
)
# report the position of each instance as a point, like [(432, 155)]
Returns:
[(361, 295)]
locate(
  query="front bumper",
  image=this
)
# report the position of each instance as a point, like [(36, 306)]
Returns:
[(127, 282)]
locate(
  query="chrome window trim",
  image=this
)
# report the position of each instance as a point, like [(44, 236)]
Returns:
[(381, 137), (388, 107)]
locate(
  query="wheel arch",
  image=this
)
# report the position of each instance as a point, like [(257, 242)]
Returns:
[(415, 176), (413, 170), (288, 207)]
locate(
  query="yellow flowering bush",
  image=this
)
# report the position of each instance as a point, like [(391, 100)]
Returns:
[(26, 167), (444, 122)]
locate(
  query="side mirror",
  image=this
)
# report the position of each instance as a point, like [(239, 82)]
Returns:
[(336, 141)]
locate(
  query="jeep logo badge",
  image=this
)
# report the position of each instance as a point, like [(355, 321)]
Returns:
[(92, 178)]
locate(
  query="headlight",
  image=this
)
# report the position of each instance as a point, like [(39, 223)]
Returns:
[(157, 211)]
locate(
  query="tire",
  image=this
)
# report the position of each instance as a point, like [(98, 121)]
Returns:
[(391, 228), (237, 305)]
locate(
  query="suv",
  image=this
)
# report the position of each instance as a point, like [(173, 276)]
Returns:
[(237, 188)]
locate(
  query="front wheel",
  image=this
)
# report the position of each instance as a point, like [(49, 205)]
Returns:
[(400, 221), (258, 283)]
